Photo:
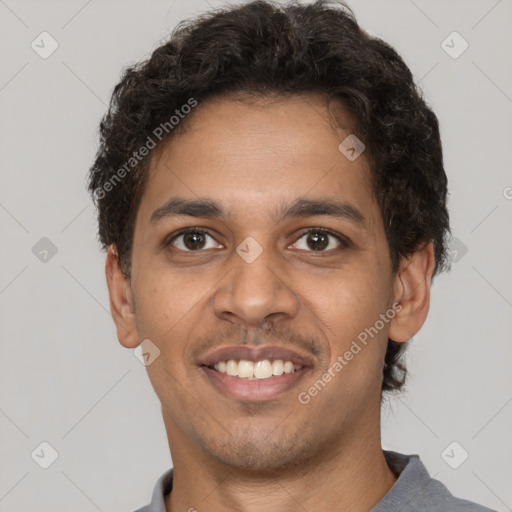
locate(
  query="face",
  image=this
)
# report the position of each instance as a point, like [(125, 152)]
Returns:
[(259, 269)]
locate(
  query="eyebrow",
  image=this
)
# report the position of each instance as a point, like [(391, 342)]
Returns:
[(300, 208)]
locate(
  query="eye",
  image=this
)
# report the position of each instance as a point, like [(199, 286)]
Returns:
[(320, 240), (191, 240), (314, 240)]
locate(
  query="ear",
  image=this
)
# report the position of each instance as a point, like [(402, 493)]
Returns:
[(121, 301), (412, 291)]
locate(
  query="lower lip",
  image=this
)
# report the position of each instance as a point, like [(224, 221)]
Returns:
[(254, 390)]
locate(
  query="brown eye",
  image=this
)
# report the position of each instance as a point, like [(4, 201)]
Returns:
[(317, 241), (193, 240), (320, 240)]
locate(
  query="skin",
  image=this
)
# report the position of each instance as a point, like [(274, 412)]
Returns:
[(238, 455)]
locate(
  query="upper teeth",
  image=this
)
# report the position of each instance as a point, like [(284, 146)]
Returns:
[(259, 370)]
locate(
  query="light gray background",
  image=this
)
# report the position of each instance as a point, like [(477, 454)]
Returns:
[(65, 379)]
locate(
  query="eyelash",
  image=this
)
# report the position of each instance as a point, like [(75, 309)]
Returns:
[(344, 241)]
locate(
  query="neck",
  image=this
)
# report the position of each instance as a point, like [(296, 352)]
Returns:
[(352, 476)]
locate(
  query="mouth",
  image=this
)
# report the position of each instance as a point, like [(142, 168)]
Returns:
[(249, 370), (255, 374)]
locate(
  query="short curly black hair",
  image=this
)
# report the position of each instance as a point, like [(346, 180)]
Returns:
[(266, 49)]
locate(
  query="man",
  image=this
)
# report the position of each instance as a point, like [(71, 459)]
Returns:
[(271, 192)]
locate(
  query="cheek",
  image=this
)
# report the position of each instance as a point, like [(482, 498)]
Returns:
[(165, 307), (348, 309), (167, 315), (164, 294), (351, 298)]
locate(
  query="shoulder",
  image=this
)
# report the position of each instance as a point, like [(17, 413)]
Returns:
[(435, 496), (162, 487), (416, 491)]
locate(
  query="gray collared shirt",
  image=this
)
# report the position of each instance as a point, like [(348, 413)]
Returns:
[(414, 490)]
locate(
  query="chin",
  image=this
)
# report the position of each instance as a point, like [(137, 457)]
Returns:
[(260, 454)]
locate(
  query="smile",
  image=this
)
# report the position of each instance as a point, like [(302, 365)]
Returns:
[(254, 382), (249, 370)]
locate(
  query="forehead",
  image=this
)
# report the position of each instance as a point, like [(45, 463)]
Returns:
[(255, 156)]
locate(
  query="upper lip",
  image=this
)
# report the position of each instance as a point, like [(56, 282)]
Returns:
[(255, 354)]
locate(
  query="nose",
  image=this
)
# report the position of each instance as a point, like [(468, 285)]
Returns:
[(253, 293)]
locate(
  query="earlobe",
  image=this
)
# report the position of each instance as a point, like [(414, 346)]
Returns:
[(121, 301), (412, 291)]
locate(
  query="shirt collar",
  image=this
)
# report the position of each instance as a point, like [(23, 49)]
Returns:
[(162, 488), (411, 476)]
